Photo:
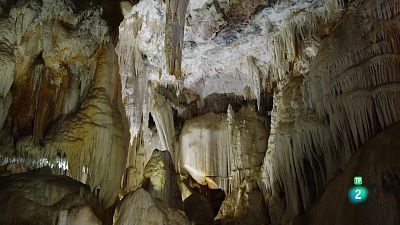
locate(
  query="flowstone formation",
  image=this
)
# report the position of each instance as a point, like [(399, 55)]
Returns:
[(221, 150)]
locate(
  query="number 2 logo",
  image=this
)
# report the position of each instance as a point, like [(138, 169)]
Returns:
[(358, 194)]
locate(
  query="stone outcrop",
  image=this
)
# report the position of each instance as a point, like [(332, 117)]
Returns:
[(78, 216)]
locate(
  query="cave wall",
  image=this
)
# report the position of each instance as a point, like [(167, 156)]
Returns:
[(320, 119), (47, 199), (378, 163)]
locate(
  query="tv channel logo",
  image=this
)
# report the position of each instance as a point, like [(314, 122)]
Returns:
[(358, 193)]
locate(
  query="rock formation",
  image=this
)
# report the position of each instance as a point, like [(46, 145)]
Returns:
[(198, 209), (382, 181), (66, 108), (345, 99), (244, 206), (221, 150), (45, 199), (174, 33), (161, 180), (236, 111), (139, 208)]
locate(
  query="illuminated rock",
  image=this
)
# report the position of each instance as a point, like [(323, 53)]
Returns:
[(161, 180), (139, 208), (222, 150), (244, 206)]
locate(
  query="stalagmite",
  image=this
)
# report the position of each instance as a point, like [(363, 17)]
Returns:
[(161, 180), (244, 206), (139, 208), (126, 8)]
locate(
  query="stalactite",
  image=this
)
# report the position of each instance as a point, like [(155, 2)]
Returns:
[(300, 26), (378, 163), (162, 114), (5, 103), (47, 34), (256, 80), (71, 97), (7, 64), (48, 102), (174, 32), (23, 17), (132, 71)]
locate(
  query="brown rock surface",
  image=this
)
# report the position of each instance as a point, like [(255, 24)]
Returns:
[(378, 162), (30, 198)]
